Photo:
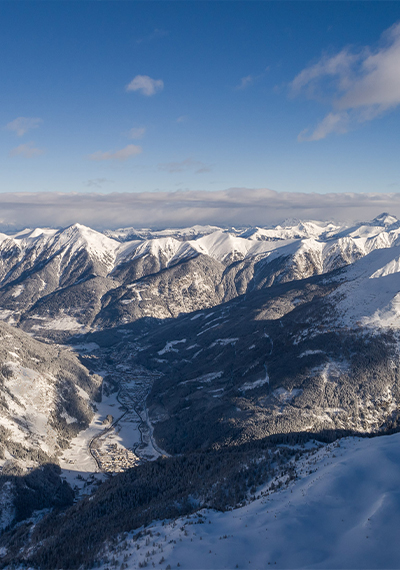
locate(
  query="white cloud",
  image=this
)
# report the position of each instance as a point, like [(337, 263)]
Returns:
[(250, 79), (338, 66), (187, 164), (27, 150), (358, 85), (182, 119), (137, 132), (145, 85), (245, 82), (22, 125), (232, 207), (332, 123), (121, 155)]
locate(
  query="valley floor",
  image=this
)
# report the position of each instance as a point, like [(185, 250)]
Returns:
[(343, 512), (119, 436)]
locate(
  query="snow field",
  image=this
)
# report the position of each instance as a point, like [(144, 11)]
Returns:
[(77, 457), (343, 512)]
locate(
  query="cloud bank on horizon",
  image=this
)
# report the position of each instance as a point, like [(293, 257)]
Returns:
[(231, 207)]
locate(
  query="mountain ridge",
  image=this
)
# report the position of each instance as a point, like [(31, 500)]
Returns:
[(43, 270)]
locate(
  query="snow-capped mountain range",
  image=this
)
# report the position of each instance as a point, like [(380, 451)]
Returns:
[(223, 352), (80, 279)]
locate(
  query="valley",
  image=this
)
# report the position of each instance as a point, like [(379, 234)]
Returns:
[(150, 375)]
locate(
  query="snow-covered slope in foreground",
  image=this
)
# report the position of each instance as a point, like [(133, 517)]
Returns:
[(342, 512)]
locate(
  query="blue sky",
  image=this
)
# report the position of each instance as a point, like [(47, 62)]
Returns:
[(200, 96)]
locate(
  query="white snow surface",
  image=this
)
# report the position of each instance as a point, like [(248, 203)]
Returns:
[(68, 240), (342, 513), (309, 352), (256, 383), (328, 244), (285, 396), (298, 230), (32, 403), (169, 347), (224, 342), (219, 245), (370, 294), (77, 458), (62, 323)]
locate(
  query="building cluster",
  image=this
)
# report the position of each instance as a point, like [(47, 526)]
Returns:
[(115, 459)]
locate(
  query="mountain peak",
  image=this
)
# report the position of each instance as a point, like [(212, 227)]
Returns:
[(384, 219)]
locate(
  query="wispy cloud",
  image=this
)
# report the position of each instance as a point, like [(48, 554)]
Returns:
[(137, 132), (97, 182), (155, 35), (250, 79), (22, 125), (245, 82), (27, 150), (333, 123), (232, 207), (358, 85), (121, 155), (187, 164), (182, 119), (145, 85)]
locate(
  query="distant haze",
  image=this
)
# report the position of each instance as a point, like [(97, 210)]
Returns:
[(231, 207)]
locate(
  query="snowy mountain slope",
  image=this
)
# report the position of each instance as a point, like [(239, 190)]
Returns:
[(47, 276), (304, 355), (370, 293), (336, 506), (39, 267), (219, 245), (274, 362), (290, 230), (182, 288), (383, 222), (44, 399), (29, 250), (299, 230), (289, 294), (256, 392), (129, 234), (342, 512)]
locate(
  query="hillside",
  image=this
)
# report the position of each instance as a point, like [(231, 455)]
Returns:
[(341, 512)]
